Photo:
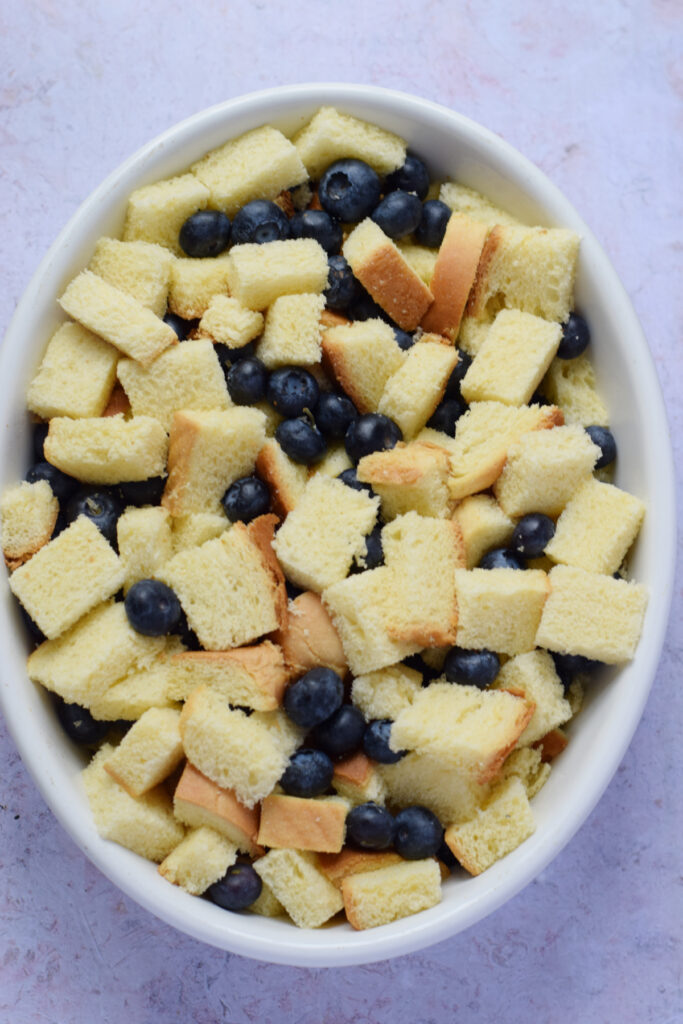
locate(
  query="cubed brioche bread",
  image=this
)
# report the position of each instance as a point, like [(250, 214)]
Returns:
[(473, 332), (286, 479), (338, 866), (591, 614), (28, 513), (137, 268), (304, 891), (454, 273), (157, 212), (292, 333), (483, 524), (495, 830), (473, 204), (107, 449), (363, 356), (143, 824), (334, 461), (550, 746), (198, 802), (421, 259), (358, 781), (194, 285), (76, 375), (117, 403), (527, 764), (261, 533), (384, 272), (227, 322), (533, 675), (68, 577), (145, 542), (148, 753), (331, 135), (199, 860), (260, 274), (308, 638), (139, 691), (194, 529), (266, 904), (297, 823), (252, 677), (117, 317), (571, 385), (409, 477), (386, 692), (500, 609), (373, 898), (430, 781), (413, 391)]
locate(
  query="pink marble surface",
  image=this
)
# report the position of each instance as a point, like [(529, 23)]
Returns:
[(592, 93)]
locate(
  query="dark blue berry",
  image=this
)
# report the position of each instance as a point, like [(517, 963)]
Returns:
[(314, 697), (370, 826), (604, 439), (455, 380), (301, 440), (239, 887), (531, 534), (152, 608), (350, 478), (39, 434), (447, 414), (187, 635), (418, 834), (334, 413), (471, 668), (364, 307), (63, 486), (342, 287), (341, 734), (260, 221), (446, 856), (309, 773), (180, 326), (568, 666), (376, 742), (418, 664), (35, 633), (374, 552), (143, 492), (501, 558), (403, 339), (100, 504), (432, 226), (79, 724), (349, 190), (291, 390), (412, 177), (398, 214), (372, 432), (246, 499), (228, 356), (575, 337), (319, 225), (205, 233), (247, 381)]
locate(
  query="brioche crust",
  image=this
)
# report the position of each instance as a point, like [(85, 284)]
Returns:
[(198, 800), (261, 532), (395, 286), (454, 274), (309, 639), (296, 823)]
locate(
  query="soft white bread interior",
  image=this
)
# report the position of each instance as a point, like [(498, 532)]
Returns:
[(571, 385), (292, 333), (137, 268), (413, 392), (331, 135), (373, 898), (76, 375), (409, 477), (227, 322), (148, 753), (363, 356), (195, 283), (253, 677), (260, 274), (199, 860), (157, 212), (500, 609), (307, 896), (495, 830), (107, 449), (484, 525), (145, 542), (533, 675), (28, 513)]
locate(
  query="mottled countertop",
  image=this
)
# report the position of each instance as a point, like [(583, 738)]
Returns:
[(592, 93)]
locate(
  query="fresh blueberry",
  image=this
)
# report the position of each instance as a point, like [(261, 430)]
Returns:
[(418, 664), (314, 697), (412, 177), (341, 734), (455, 380), (538, 398), (319, 225), (349, 190), (604, 439), (403, 339), (374, 552), (239, 887), (370, 826), (309, 773), (531, 534), (334, 413), (376, 742), (447, 414), (364, 307), (301, 440), (342, 287), (63, 486), (291, 390), (398, 214), (568, 666), (100, 504), (471, 668), (152, 608), (39, 434), (501, 558), (79, 724), (372, 432), (245, 499), (247, 381), (418, 833), (350, 478), (187, 635), (228, 356), (205, 233), (446, 856), (432, 226), (180, 326), (260, 221), (575, 337), (143, 492)]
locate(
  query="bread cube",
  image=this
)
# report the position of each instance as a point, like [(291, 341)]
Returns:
[(199, 802), (28, 513), (338, 866), (267, 904), (137, 268), (253, 677), (308, 638), (301, 888), (413, 392), (428, 780), (388, 894), (407, 477), (473, 332), (454, 273), (199, 860), (527, 764), (363, 356), (591, 614), (334, 461), (293, 822), (571, 385), (420, 258), (484, 525), (292, 333), (496, 830), (157, 212), (386, 692), (331, 135), (261, 533), (533, 675), (148, 753), (358, 781), (107, 449), (141, 690), (500, 609), (286, 479), (260, 274), (195, 283), (597, 527), (75, 376), (192, 530), (227, 322), (473, 204), (145, 542)]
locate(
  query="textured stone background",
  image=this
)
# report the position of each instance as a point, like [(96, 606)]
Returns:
[(591, 92)]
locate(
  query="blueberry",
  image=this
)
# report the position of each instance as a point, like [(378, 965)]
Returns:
[(604, 439), (39, 434), (309, 773), (447, 414), (205, 233), (471, 668), (341, 734), (350, 478), (418, 833), (455, 380), (34, 631), (568, 666), (291, 390), (247, 381), (398, 214), (319, 225), (187, 635), (228, 356), (143, 492), (260, 221), (349, 190), (371, 433), (342, 287), (79, 724), (100, 504), (376, 742), (180, 326), (575, 337), (418, 664), (239, 887), (245, 499), (531, 534), (314, 697), (501, 558), (432, 226), (152, 608), (63, 486), (412, 177), (302, 441), (374, 552), (334, 413), (370, 826), (364, 307), (446, 856), (403, 339)]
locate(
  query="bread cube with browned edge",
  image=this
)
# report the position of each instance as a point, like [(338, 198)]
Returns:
[(358, 781), (260, 274), (533, 675), (140, 269), (194, 285), (473, 204), (194, 529), (388, 894), (591, 614), (157, 212), (304, 891), (407, 477), (199, 860), (500, 609), (149, 752), (145, 542), (252, 677), (28, 514), (386, 692), (107, 449), (527, 764), (139, 691), (285, 478), (298, 823), (544, 468), (68, 577), (363, 356), (117, 317), (484, 525), (571, 385), (428, 780), (143, 824), (597, 527), (199, 802), (308, 638), (338, 866), (413, 392), (495, 830), (331, 135), (292, 334), (384, 272), (227, 322), (454, 274), (76, 375)]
